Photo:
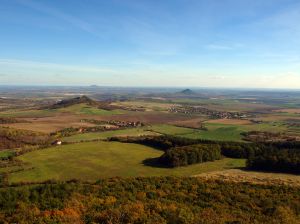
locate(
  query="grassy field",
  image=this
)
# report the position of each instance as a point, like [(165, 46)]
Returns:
[(5, 154), (227, 132), (75, 109), (93, 160), (223, 104), (51, 124), (107, 134), (150, 106), (218, 131), (171, 130), (215, 132), (89, 110), (294, 130), (27, 113)]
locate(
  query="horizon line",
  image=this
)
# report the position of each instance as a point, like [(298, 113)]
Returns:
[(149, 87)]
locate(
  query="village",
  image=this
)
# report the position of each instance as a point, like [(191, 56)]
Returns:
[(101, 126), (115, 123), (213, 114)]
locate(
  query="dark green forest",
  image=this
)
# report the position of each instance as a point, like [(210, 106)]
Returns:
[(191, 154), (178, 151)]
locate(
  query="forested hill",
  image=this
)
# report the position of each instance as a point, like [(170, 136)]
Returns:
[(187, 92), (150, 200), (73, 101)]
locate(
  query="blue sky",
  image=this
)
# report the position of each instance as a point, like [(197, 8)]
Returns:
[(205, 43)]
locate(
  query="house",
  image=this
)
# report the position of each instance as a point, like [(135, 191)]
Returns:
[(57, 142)]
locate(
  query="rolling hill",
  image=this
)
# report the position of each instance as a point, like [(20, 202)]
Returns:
[(74, 101)]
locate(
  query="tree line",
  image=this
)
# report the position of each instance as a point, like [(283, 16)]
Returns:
[(178, 151), (13, 138), (278, 160)]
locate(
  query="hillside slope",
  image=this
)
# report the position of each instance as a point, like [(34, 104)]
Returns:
[(74, 101)]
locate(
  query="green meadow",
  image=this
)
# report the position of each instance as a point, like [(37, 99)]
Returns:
[(220, 132), (74, 109), (4, 154), (217, 131), (107, 134), (94, 160), (89, 110), (171, 129)]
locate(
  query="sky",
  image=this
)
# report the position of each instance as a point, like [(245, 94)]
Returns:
[(179, 43)]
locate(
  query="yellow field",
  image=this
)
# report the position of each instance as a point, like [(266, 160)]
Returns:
[(293, 111), (51, 124), (237, 175)]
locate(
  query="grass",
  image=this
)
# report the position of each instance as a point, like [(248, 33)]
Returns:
[(152, 106), (76, 109), (89, 110), (94, 160), (4, 154), (219, 132), (294, 130), (27, 113), (171, 129), (222, 104), (228, 132), (107, 134)]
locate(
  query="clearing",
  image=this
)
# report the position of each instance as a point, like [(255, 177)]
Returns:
[(132, 132), (94, 160)]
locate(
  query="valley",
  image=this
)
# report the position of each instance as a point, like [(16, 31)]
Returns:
[(81, 140)]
